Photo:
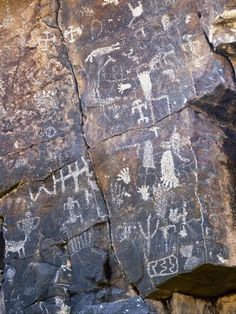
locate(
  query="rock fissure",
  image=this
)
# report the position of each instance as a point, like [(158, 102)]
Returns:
[(108, 271), (139, 203)]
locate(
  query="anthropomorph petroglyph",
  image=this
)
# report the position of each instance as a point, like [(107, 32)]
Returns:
[(144, 191), (164, 266), (148, 159), (124, 176), (168, 177), (28, 224), (73, 208), (165, 232), (149, 233), (138, 106), (175, 144), (136, 11), (102, 51), (72, 32)]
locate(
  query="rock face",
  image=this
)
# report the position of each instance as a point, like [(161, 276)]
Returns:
[(118, 156)]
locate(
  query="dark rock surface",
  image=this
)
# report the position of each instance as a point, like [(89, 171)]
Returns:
[(117, 156)]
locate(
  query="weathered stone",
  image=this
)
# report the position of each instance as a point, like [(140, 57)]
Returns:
[(226, 304), (54, 305), (132, 306), (125, 63), (117, 155), (167, 217), (219, 23), (182, 304)]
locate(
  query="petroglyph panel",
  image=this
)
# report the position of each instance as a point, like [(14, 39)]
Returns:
[(159, 208), (134, 61)]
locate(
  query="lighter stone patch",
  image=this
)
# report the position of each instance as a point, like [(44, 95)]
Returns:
[(165, 20), (2, 88), (10, 273), (188, 18), (174, 215), (115, 2), (148, 160), (146, 84), (62, 308)]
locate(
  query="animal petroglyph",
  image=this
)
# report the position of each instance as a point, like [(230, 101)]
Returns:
[(163, 267), (102, 51), (16, 247), (168, 177), (27, 225)]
